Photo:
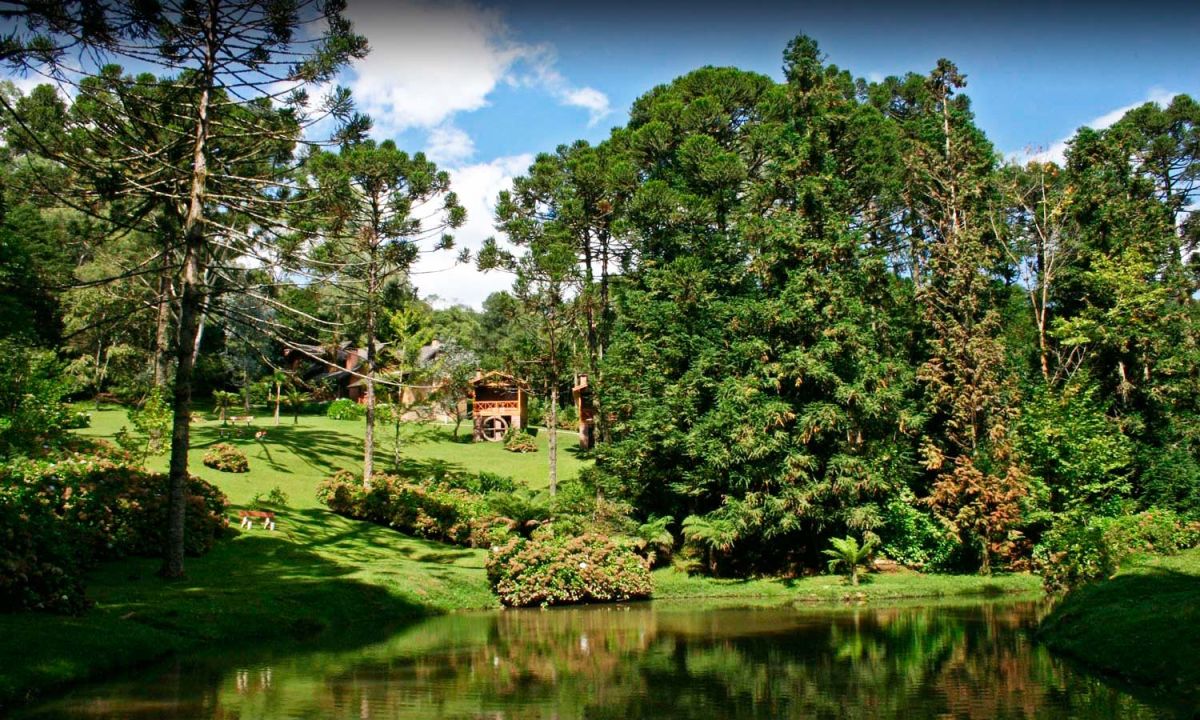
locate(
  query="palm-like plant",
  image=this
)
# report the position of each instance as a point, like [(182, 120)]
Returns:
[(222, 402), (525, 509), (295, 400), (847, 554), (715, 535), (652, 539), (279, 378)]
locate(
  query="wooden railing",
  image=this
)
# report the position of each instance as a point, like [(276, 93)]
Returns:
[(481, 405)]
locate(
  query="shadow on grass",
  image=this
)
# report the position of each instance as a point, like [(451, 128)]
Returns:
[(324, 451), (415, 469), (363, 543), (256, 591)]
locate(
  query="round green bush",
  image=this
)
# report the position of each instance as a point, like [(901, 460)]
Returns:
[(518, 441), (345, 409), (226, 458), (563, 571)]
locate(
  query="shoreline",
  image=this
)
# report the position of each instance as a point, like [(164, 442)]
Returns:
[(255, 588)]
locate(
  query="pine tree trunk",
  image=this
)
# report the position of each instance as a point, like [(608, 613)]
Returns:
[(278, 400), (552, 440), (160, 330), (190, 307), (369, 437), (200, 328), (396, 426)]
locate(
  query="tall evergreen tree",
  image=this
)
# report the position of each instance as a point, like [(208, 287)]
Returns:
[(374, 209)]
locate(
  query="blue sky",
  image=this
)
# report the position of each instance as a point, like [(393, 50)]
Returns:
[(484, 87)]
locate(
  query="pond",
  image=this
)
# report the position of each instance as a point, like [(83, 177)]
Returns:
[(646, 660)]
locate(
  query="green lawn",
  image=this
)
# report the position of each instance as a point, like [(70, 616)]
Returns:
[(1142, 626), (673, 584), (295, 457)]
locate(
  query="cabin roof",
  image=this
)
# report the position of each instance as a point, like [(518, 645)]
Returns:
[(495, 378)]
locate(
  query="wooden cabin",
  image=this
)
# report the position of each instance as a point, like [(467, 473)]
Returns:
[(328, 368), (585, 410), (499, 402)]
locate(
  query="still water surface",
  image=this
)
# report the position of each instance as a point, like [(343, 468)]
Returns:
[(640, 661)]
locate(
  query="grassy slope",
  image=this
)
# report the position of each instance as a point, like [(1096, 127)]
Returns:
[(322, 576), (319, 575), (1142, 626)]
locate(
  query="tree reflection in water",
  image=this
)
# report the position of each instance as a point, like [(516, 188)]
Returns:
[(648, 661)]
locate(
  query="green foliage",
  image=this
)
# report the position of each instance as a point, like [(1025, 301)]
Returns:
[(563, 571), (1170, 478), (32, 388), (568, 418), (847, 554), (522, 509), (653, 540), (911, 536), (78, 420), (713, 535), (223, 402), (42, 570), (519, 441), (345, 409), (385, 413), (1082, 549), (275, 497), (1077, 456), (489, 482), (226, 458), (152, 419)]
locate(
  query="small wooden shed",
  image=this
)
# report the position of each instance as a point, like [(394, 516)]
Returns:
[(585, 410), (499, 402)]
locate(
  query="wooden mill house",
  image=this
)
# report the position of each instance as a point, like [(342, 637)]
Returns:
[(499, 402)]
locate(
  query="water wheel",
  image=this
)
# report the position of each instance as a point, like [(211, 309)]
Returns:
[(495, 427)]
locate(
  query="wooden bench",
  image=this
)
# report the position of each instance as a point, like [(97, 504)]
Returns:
[(249, 516), (243, 419)]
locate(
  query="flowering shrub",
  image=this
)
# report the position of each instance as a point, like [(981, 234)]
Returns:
[(345, 409), (518, 441), (561, 571), (39, 568), (1075, 553), (59, 515), (226, 458), (435, 511)]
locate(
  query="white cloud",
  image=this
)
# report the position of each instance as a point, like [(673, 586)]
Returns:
[(542, 73), (1057, 151), (430, 60), (448, 145), (477, 187), (592, 100)]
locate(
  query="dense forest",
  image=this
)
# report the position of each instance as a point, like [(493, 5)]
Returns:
[(810, 308)]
